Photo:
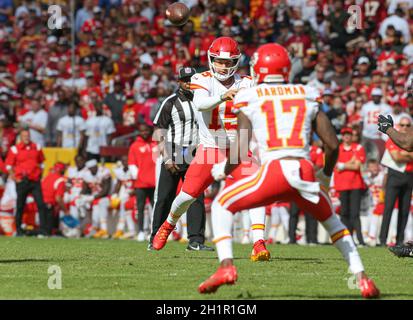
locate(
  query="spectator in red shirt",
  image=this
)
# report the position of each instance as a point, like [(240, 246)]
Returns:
[(386, 54), (141, 161), (349, 182), (53, 188), (299, 41), (24, 163), (399, 186)]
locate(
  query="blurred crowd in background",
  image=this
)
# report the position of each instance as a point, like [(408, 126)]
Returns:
[(84, 92)]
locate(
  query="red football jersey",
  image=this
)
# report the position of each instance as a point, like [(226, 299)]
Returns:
[(53, 185), (374, 10), (349, 179), (391, 146)]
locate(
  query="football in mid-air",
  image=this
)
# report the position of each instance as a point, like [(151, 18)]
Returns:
[(177, 13)]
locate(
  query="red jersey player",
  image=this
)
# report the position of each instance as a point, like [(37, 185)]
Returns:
[(281, 117), (214, 91)]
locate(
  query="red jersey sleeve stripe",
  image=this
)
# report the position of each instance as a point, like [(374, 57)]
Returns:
[(240, 105)]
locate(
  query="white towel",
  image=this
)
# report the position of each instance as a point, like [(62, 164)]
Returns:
[(308, 190)]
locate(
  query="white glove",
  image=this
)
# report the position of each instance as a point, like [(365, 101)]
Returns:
[(134, 171), (340, 166), (323, 179), (218, 171)]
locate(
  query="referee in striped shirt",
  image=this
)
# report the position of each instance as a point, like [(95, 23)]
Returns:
[(177, 131)]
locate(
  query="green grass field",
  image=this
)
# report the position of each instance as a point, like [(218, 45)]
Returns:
[(106, 269)]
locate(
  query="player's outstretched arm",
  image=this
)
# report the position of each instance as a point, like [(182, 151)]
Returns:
[(327, 134), (402, 140), (203, 102)]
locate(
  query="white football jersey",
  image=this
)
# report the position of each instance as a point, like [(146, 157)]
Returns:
[(126, 179), (95, 181), (370, 113), (217, 127), (76, 178), (375, 185), (281, 116)]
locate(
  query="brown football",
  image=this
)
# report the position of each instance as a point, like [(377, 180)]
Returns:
[(177, 13)]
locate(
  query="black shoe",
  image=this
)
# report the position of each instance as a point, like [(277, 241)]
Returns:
[(196, 246), (403, 251), (150, 247)]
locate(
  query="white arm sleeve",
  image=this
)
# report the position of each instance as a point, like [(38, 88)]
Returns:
[(204, 102), (134, 171)]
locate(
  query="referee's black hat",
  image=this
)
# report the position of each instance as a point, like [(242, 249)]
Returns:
[(186, 72)]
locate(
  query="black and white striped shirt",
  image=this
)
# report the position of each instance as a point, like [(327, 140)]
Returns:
[(176, 115)]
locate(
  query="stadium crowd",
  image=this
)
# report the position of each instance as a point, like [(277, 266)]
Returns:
[(124, 64)]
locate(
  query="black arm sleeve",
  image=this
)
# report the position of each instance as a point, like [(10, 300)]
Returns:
[(163, 117)]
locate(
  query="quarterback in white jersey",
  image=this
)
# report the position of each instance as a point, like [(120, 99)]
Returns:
[(97, 185), (281, 117), (214, 91), (217, 122)]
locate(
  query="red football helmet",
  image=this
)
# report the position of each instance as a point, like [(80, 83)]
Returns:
[(270, 63), (224, 48)]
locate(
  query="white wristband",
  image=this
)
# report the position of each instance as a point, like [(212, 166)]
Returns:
[(341, 165)]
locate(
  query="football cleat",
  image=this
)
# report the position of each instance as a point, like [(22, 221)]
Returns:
[(224, 275), (176, 236), (270, 241), (128, 235), (101, 234), (260, 252), (162, 235), (117, 235), (196, 246), (183, 240), (141, 236), (403, 251), (368, 289)]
